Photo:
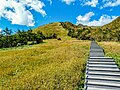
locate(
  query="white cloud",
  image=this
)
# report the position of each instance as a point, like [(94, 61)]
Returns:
[(104, 19), (85, 20), (68, 1), (35, 5), (92, 3), (16, 11), (111, 3)]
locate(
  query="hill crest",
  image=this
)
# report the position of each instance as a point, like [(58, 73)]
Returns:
[(108, 32)]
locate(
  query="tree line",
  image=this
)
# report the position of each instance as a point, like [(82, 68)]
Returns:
[(8, 39)]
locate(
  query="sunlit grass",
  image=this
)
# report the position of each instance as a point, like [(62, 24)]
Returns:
[(51, 29), (53, 65), (112, 49)]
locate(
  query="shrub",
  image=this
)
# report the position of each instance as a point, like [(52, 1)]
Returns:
[(59, 39)]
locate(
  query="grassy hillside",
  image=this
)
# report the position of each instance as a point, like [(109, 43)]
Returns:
[(52, 28), (109, 32), (69, 25), (112, 49), (53, 65)]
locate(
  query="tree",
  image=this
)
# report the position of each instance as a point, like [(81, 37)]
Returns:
[(40, 34), (7, 31)]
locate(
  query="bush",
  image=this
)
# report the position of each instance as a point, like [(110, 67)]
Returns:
[(59, 39), (98, 34), (20, 38)]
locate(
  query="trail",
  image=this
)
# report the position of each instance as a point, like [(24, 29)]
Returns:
[(102, 72)]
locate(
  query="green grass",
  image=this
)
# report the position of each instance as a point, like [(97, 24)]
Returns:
[(112, 49), (53, 65), (51, 29)]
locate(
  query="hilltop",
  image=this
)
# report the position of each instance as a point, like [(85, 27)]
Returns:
[(52, 28), (108, 32), (58, 28)]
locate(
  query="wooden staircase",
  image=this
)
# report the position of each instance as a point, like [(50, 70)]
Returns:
[(102, 72)]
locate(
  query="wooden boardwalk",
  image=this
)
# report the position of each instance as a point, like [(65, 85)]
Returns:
[(101, 72)]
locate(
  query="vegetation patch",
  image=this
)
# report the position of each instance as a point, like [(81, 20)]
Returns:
[(112, 49), (54, 65), (52, 28), (109, 32)]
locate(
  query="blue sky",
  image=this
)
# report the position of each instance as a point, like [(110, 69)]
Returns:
[(25, 14)]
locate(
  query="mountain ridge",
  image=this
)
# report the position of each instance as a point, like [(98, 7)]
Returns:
[(108, 32)]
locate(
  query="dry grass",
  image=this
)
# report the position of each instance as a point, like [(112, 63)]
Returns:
[(51, 29), (112, 49), (53, 65)]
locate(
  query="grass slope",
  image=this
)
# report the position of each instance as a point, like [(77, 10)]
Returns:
[(53, 65), (112, 49), (109, 32), (52, 28)]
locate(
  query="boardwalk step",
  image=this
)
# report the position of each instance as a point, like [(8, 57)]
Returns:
[(106, 63), (102, 72), (101, 65), (101, 87), (104, 83), (98, 55), (99, 51), (96, 50), (99, 68), (101, 60), (96, 47), (103, 77), (116, 71)]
